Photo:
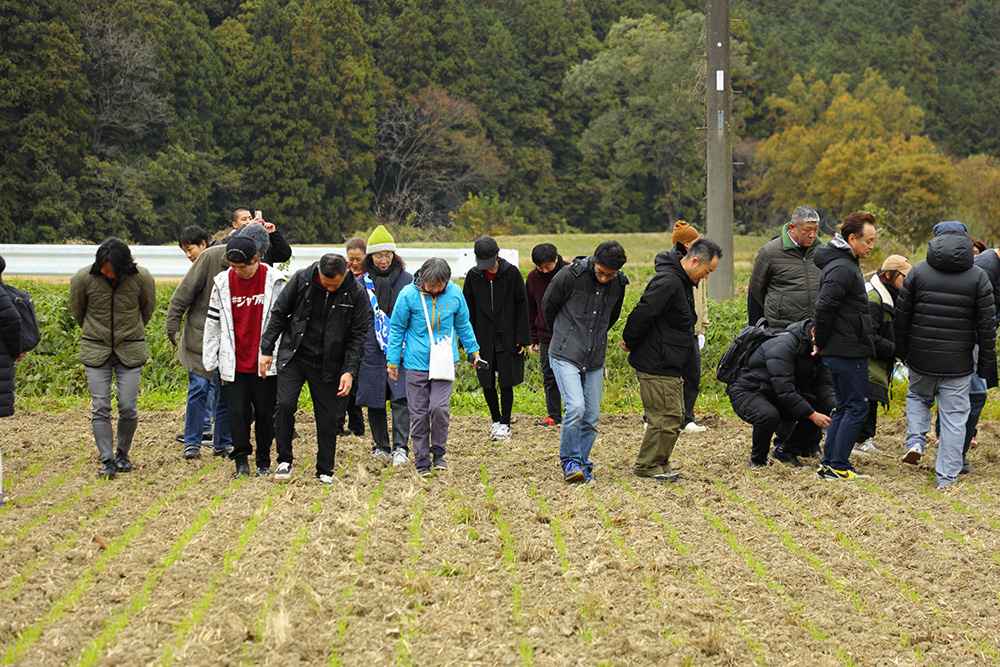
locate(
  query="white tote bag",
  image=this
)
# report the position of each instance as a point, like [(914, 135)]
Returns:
[(442, 361)]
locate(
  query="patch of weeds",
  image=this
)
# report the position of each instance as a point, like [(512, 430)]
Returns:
[(446, 569)]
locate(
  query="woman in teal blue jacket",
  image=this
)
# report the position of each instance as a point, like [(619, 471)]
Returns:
[(432, 306)]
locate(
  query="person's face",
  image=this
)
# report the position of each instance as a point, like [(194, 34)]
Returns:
[(604, 274), (803, 233), (108, 271), (864, 244), (243, 218), (435, 289), (331, 284), (245, 271), (354, 258), (546, 267), (898, 282), (698, 270), (192, 251), (382, 259)]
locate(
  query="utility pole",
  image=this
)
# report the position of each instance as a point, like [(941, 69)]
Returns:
[(718, 108)]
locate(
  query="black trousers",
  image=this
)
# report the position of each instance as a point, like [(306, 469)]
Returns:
[(692, 382), (765, 414), (553, 399), (324, 398), (251, 399), (346, 406)]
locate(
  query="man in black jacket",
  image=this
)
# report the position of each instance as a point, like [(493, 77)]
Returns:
[(582, 303), (844, 329), (276, 250), (659, 336), (785, 381), (322, 316), (498, 311), (946, 334)]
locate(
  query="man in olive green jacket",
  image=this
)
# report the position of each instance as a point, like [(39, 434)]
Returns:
[(113, 300), (190, 303), (784, 279)]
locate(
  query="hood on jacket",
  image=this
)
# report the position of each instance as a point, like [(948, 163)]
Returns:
[(503, 267), (837, 247), (670, 260), (802, 331), (951, 252)]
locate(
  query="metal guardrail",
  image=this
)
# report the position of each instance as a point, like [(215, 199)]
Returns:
[(170, 262)]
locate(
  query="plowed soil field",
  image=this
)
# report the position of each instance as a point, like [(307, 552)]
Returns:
[(494, 562)]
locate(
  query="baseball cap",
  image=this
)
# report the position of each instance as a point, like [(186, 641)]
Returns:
[(486, 250), (896, 263)]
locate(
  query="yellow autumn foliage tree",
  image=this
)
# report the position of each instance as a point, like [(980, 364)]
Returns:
[(837, 150)]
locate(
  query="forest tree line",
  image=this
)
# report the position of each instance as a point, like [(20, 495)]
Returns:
[(139, 118)]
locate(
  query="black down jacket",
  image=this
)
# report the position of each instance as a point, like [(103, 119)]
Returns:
[(946, 308), (660, 329), (989, 262), (10, 347), (844, 325), (784, 371)]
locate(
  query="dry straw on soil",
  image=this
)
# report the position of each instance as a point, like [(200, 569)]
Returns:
[(496, 562)]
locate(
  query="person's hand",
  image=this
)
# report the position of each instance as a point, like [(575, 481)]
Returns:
[(533, 349), (174, 336), (625, 347), (475, 360), (265, 364), (821, 420), (520, 348), (815, 351), (393, 373), (346, 382), (269, 226)]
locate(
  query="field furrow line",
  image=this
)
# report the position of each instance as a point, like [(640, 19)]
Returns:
[(44, 493), (85, 581), (409, 629), (943, 614)]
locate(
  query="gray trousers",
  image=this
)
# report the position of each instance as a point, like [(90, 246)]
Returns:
[(127, 379), (430, 403)]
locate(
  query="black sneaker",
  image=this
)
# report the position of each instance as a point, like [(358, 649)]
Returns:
[(263, 472), (222, 451), (826, 474), (192, 453), (781, 456), (242, 468), (123, 464), (206, 435), (424, 472), (754, 464), (438, 462), (667, 477), (108, 470)]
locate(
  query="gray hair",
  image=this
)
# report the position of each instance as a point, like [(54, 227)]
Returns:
[(435, 271), (804, 214)]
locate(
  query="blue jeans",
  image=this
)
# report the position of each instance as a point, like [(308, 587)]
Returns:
[(200, 406), (952, 396), (850, 386), (581, 394)]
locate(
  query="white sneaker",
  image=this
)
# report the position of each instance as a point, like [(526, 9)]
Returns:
[(494, 428), (503, 432), (283, 471), (399, 457), (378, 453), (694, 428), (325, 479), (866, 447)]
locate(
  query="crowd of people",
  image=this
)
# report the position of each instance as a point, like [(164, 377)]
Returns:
[(364, 333), (837, 338)]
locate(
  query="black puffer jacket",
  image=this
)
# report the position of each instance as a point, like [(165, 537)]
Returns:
[(989, 262), (844, 326), (10, 347), (347, 322), (945, 308), (660, 329), (579, 310), (785, 372)]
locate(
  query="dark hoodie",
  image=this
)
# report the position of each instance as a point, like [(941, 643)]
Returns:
[(944, 309), (498, 311), (301, 306), (535, 285), (10, 347), (844, 326), (784, 371), (659, 331)]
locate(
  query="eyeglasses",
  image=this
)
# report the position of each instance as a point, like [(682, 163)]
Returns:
[(602, 274)]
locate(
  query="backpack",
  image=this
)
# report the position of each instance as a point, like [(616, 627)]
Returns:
[(25, 305), (736, 358)]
